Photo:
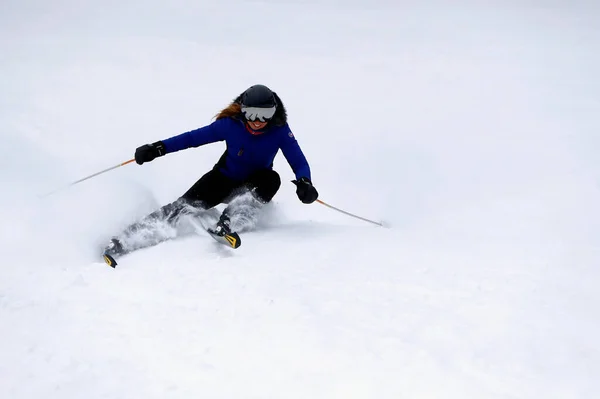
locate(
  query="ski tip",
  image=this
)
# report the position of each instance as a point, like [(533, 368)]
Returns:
[(110, 261), (231, 240), (234, 240)]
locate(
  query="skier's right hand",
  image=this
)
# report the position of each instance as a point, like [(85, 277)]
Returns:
[(148, 152)]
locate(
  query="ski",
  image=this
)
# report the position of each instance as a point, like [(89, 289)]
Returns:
[(110, 261), (114, 248), (232, 240)]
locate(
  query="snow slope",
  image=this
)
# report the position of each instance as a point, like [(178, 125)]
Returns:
[(471, 129)]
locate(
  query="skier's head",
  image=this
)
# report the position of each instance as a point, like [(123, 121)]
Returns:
[(258, 104), (258, 107)]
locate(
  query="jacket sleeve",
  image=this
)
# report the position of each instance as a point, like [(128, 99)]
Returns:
[(294, 155), (214, 132)]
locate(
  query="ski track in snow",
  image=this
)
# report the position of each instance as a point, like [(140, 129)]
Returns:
[(470, 130)]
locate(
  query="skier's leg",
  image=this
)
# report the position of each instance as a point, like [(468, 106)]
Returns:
[(158, 226), (212, 189), (166, 222), (244, 208), (265, 184)]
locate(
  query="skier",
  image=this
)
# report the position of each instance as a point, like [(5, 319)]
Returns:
[(254, 127)]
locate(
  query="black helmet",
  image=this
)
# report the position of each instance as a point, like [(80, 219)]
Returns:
[(258, 102)]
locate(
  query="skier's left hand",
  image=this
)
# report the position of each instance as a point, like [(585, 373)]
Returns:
[(307, 193)]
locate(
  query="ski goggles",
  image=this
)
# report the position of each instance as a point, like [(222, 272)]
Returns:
[(262, 114)]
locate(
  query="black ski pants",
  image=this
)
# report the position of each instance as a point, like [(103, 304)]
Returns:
[(213, 189)]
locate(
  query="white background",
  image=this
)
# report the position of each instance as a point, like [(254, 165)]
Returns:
[(471, 128)]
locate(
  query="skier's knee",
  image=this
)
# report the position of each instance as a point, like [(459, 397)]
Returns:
[(265, 185)]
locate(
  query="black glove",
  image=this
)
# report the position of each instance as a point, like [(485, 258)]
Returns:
[(306, 192), (148, 152)]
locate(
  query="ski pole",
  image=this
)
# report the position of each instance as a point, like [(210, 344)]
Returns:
[(349, 214), (89, 177)]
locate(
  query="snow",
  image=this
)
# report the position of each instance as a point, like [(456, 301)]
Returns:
[(471, 129)]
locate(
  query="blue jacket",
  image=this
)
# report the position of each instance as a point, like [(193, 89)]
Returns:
[(246, 153)]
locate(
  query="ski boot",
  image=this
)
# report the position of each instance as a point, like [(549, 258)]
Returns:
[(223, 226), (113, 250), (222, 232)]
